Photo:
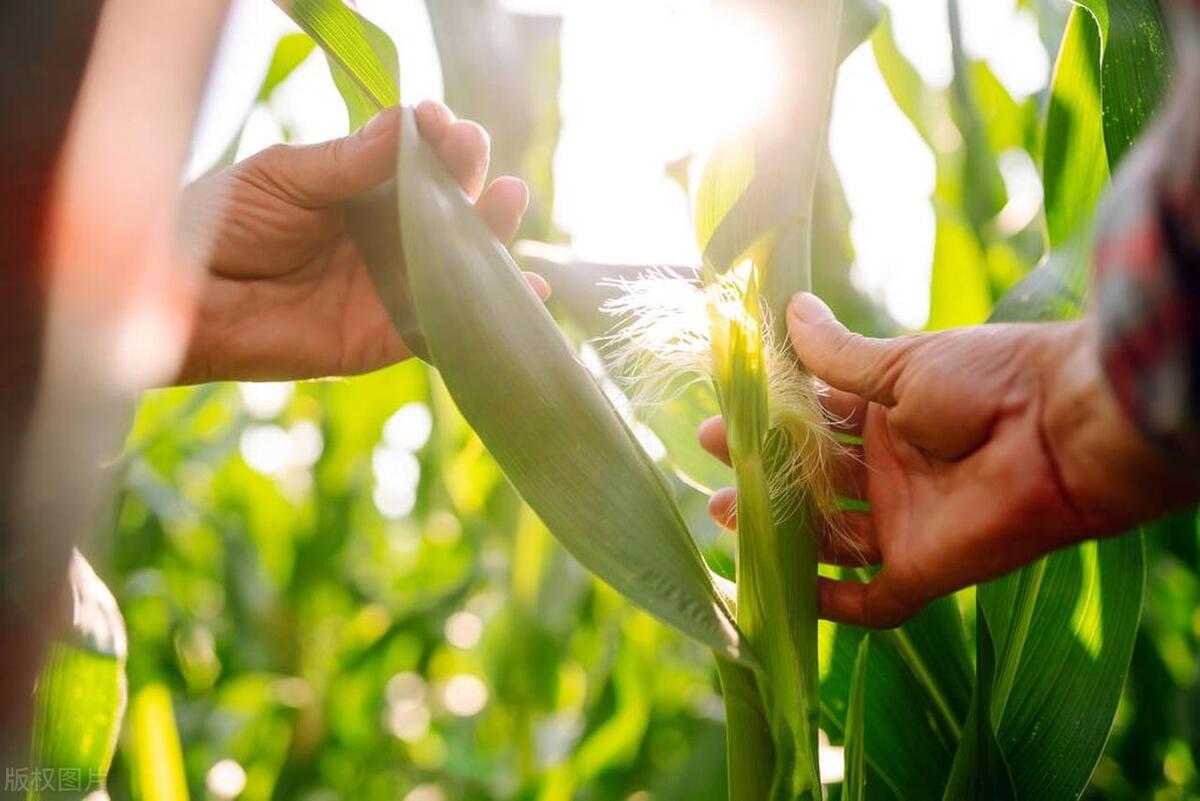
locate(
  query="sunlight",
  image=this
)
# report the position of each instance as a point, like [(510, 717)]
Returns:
[(739, 75)]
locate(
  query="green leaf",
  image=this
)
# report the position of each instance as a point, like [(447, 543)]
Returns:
[(916, 701), (959, 289), (980, 769), (1073, 169), (983, 192), (854, 780), (1135, 55), (580, 289), (1056, 290), (80, 695), (153, 748), (920, 104), (540, 413), (290, 51), (1064, 633), (362, 57)]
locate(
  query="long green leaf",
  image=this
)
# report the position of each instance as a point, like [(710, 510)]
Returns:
[(1135, 65), (362, 105), (1074, 169), (854, 779), (352, 44), (917, 698), (153, 747), (538, 410), (1063, 641), (580, 290), (980, 770)]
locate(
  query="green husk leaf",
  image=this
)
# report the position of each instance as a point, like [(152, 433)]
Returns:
[(776, 562), (750, 752), (542, 416)]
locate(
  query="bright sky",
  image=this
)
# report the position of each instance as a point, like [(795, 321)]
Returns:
[(629, 108)]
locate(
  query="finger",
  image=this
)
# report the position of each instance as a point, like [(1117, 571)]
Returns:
[(844, 360), (465, 150), (319, 175), (849, 540), (874, 604), (850, 544), (722, 507), (712, 438), (502, 204), (433, 120)]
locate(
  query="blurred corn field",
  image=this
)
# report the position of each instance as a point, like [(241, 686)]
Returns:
[(330, 590)]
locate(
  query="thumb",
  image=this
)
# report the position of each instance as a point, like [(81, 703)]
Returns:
[(329, 172), (865, 366)]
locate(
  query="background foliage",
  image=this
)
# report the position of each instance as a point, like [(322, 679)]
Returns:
[(331, 592)]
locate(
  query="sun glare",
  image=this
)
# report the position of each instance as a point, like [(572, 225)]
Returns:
[(739, 71)]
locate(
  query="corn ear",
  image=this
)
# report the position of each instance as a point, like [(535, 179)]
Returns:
[(776, 566)]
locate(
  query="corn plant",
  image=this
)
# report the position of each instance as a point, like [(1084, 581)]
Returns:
[(573, 458), (917, 716)]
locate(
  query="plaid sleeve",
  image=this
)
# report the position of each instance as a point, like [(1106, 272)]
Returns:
[(1147, 289)]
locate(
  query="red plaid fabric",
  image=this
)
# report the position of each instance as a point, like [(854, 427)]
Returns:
[(1147, 258)]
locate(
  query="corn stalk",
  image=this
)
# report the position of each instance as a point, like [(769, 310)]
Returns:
[(755, 205)]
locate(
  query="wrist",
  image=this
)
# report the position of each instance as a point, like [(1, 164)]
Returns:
[(1109, 470)]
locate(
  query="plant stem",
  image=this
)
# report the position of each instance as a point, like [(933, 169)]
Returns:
[(750, 752)]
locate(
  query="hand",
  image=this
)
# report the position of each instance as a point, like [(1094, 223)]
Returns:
[(983, 449), (287, 296)]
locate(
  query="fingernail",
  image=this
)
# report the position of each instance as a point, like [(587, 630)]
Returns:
[(379, 124), (805, 307), (431, 113), (539, 285)]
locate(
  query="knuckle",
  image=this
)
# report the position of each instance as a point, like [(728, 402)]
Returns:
[(273, 157)]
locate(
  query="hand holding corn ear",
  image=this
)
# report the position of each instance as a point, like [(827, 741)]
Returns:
[(287, 295), (982, 449)]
